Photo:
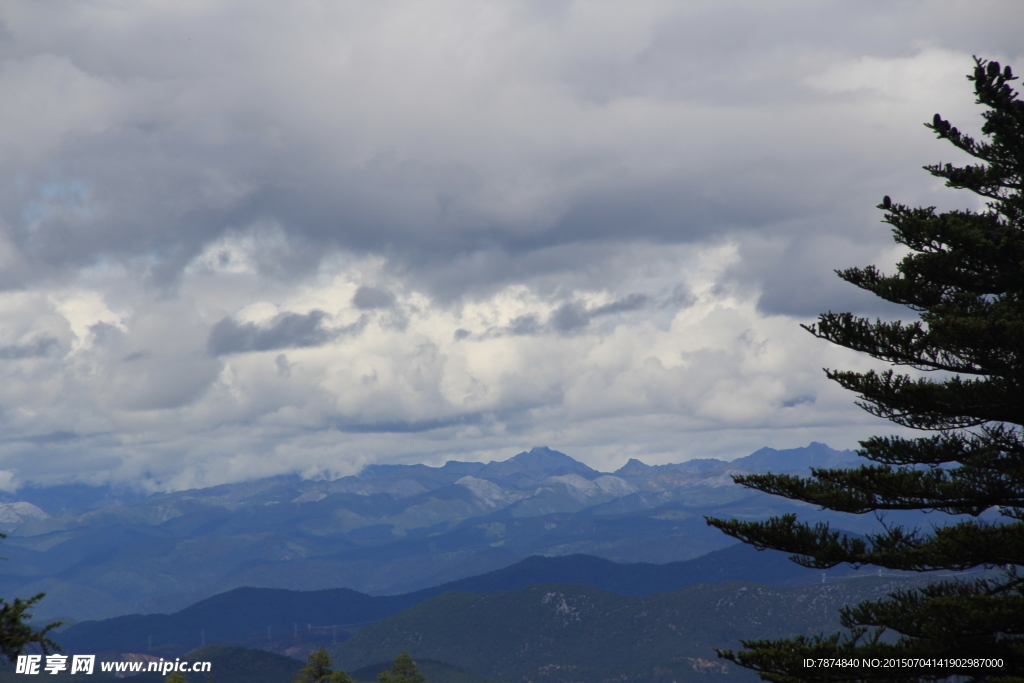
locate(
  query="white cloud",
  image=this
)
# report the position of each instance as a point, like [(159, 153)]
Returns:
[(712, 362)]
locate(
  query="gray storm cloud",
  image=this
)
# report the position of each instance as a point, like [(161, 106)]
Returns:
[(367, 298), (42, 345), (571, 127), (284, 331), (574, 315), (567, 318), (633, 302)]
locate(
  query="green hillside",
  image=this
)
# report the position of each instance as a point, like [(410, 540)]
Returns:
[(566, 632)]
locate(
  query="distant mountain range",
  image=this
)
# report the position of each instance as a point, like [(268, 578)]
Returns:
[(392, 529)]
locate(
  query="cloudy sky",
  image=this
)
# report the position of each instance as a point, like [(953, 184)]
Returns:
[(246, 237)]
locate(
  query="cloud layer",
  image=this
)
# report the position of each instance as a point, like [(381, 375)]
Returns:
[(242, 238)]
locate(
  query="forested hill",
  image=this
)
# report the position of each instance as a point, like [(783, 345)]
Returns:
[(278, 618), (562, 633)]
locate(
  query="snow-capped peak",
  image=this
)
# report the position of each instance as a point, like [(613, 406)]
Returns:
[(16, 513)]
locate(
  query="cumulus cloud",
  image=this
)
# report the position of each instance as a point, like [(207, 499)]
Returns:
[(318, 234)]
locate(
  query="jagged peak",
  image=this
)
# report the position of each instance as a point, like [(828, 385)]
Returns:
[(544, 454), (633, 467), (538, 462)]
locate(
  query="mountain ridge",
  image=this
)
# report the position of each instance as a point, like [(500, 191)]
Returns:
[(392, 529)]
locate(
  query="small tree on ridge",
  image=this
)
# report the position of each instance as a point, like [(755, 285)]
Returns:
[(318, 670), (404, 670)]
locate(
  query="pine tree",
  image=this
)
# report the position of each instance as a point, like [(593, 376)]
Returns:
[(318, 670), (964, 278), (404, 670), (16, 634)]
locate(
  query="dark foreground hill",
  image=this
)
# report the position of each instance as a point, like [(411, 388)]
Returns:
[(286, 621), (561, 633), (738, 562)]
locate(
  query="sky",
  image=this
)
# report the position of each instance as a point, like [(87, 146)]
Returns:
[(241, 238)]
